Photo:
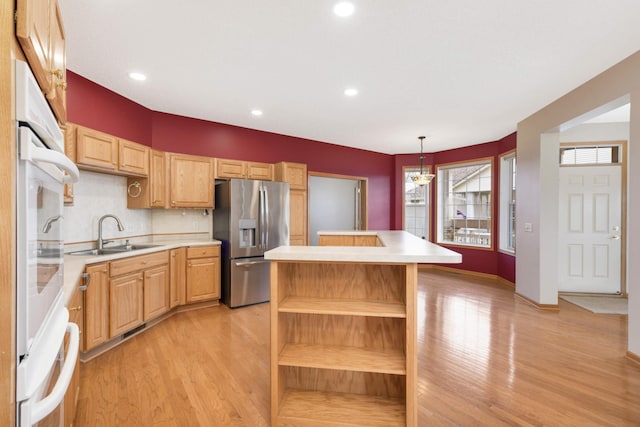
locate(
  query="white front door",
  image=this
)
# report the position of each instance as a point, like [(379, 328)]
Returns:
[(590, 216)]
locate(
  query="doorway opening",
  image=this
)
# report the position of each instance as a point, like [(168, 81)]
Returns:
[(336, 203)]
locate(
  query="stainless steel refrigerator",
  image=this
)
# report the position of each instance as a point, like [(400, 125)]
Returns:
[(250, 217)]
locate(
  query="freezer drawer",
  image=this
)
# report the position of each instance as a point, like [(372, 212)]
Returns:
[(249, 280)]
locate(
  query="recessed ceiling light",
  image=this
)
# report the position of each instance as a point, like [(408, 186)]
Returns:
[(256, 112), (351, 91), (137, 76), (344, 8)]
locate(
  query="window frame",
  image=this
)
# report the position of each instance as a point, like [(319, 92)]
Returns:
[(439, 202), (506, 178), (427, 201)]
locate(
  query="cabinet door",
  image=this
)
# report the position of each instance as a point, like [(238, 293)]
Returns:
[(125, 303), (32, 31), (226, 168), (177, 271), (191, 181), (156, 292), (96, 306), (70, 151), (203, 279), (134, 157), (157, 177), (297, 218), (97, 150), (293, 173), (57, 94), (263, 171)]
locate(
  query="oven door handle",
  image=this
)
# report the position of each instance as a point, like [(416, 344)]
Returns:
[(36, 154), (44, 407)]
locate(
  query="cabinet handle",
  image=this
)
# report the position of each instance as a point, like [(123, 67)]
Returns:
[(58, 73), (78, 308), (173, 255), (189, 264), (86, 281), (173, 202)]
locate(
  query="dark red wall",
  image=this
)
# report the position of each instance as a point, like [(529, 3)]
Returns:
[(94, 106), (193, 136), (481, 260)]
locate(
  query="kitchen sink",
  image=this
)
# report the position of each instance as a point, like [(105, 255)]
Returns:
[(113, 249)]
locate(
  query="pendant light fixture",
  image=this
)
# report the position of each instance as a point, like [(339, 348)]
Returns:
[(423, 178)]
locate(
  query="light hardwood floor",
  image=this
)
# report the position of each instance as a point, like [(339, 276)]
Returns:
[(486, 358)]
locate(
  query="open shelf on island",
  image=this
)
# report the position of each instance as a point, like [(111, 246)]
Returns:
[(343, 357), (353, 307), (340, 409)]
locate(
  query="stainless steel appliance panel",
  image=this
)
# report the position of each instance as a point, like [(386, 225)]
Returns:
[(249, 281)]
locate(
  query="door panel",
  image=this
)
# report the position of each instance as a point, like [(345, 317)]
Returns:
[(590, 216)]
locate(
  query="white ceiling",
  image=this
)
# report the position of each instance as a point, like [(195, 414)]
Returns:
[(461, 73)]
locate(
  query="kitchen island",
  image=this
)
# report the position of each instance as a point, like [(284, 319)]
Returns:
[(343, 328)]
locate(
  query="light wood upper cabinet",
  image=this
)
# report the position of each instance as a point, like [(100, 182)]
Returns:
[(96, 150), (226, 168), (57, 96), (296, 175), (69, 131), (102, 152), (96, 306), (192, 181), (203, 273), (133, 157), (150, 192), (293, 173), (40, 31), (257, 170)]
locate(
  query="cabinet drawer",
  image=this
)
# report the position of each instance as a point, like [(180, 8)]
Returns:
[(137, 263), (203, 251)]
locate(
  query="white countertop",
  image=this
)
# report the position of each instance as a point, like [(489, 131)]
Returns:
[(74, 264), (399, 247)]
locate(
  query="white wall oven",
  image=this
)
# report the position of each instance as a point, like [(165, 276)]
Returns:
[(43, 371)]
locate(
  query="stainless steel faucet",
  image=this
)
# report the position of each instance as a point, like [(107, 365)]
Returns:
[(101, 242)]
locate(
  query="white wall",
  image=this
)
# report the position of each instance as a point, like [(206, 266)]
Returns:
[(97, 194), (593, 132), (617, 85)]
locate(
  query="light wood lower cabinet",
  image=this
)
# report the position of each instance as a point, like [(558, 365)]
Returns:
[(126, 293), (139, 290), (203, 273), (343, 343), (156, 292), (178, 276), (348, 240), (96, 306)]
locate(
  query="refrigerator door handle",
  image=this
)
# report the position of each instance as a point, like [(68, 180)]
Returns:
[(266, 218), (261, 219), (249, 263)]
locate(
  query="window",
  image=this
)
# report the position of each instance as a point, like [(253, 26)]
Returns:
[(508, 202), (416, 205), (590, 155), (464, 203)]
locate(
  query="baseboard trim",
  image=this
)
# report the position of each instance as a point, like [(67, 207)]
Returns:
[(498, 279), (633, 357), (546, 307)]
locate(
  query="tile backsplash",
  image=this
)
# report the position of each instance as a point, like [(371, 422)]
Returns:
[(97, 194)]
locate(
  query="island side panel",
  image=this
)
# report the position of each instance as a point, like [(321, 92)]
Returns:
[(411, 280)]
